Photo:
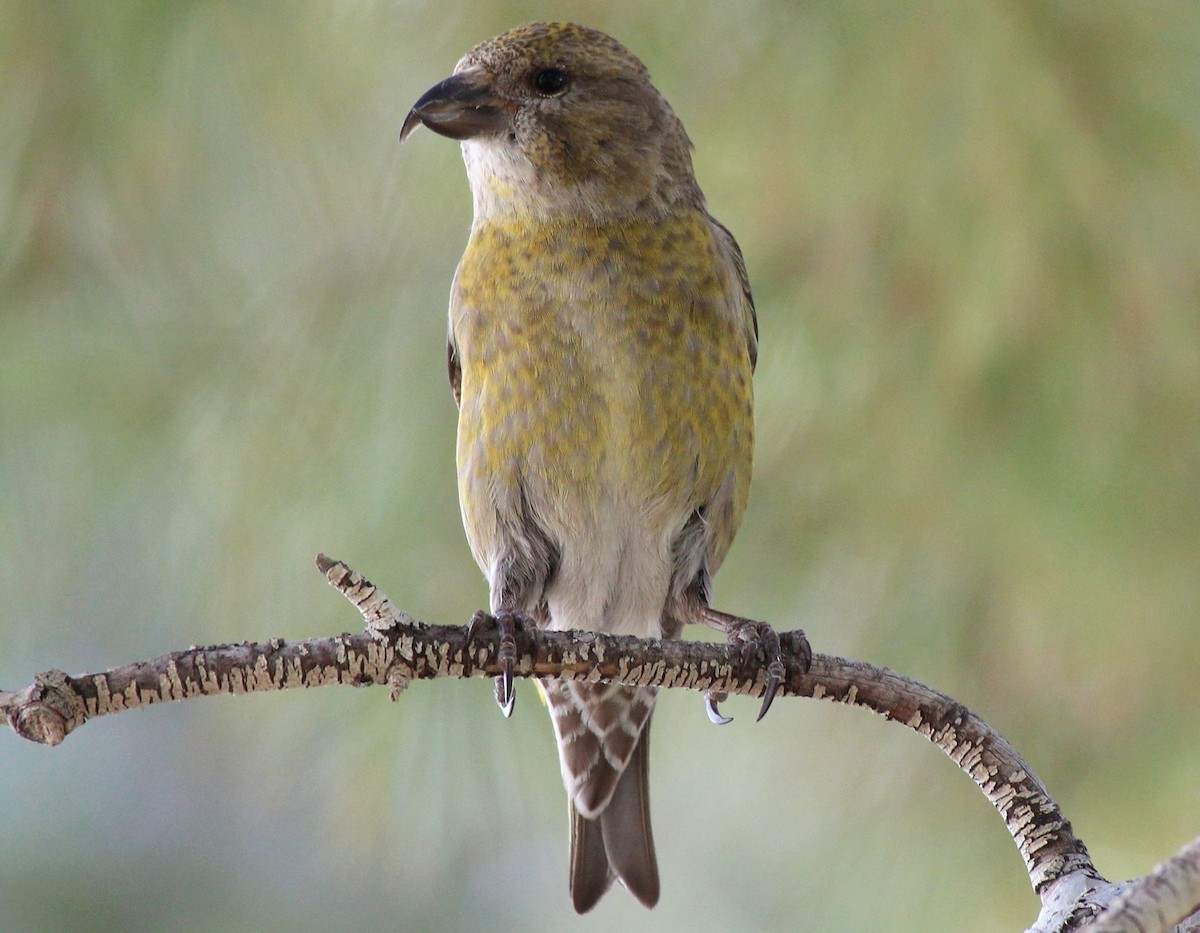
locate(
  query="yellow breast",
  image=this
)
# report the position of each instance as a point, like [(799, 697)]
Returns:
[(602, 367)]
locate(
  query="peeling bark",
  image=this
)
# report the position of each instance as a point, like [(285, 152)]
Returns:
[(394, 649)]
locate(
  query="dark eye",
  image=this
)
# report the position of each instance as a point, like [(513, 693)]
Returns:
[(550, 82)]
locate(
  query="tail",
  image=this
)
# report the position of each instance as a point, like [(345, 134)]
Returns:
[(605, 756), (618, 843)]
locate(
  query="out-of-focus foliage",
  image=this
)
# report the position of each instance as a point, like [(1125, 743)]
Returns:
[(974, 235)]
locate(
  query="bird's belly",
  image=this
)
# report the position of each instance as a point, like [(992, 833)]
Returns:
[(604, 400), (572, 458)]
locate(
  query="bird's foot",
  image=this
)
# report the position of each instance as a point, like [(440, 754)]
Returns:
[(759, 639), (755, 640), (509, 627)]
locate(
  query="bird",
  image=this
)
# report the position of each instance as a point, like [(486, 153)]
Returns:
[(602, 342)]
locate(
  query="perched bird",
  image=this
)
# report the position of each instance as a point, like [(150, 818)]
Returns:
[(602, 342)]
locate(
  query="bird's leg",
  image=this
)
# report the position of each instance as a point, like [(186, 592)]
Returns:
[(754, 639), (509, 627)]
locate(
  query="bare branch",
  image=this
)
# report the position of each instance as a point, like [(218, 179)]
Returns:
[(395, 649), (1166, 896)]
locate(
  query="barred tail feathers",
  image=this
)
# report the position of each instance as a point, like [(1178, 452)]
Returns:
[(604, 749)]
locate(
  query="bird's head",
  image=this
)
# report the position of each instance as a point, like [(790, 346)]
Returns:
[(558, 120)]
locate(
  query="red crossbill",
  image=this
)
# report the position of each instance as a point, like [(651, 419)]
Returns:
[(602, 342)]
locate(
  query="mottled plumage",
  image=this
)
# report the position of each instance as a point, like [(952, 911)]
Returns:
[(602, 342)]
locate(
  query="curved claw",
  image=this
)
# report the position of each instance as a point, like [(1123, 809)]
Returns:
[(506, 624), (714, 715), (479, 621), (774, 653), (506, 693), (506, 654), (774, 679)]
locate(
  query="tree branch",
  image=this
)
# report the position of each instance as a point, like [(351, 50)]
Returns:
[(394, 649), (1166, 896)]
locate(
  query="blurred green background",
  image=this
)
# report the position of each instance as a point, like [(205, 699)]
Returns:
[(973, 231)]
